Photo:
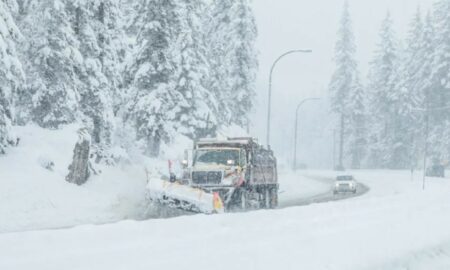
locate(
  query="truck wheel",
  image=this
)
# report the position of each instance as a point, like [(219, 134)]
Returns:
[(267, 198), (243, 203), (273, 198)]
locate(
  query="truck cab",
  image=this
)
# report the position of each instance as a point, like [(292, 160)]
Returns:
[(239, 169)]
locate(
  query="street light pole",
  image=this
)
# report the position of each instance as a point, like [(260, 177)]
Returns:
[(270, 87), (296, 128)]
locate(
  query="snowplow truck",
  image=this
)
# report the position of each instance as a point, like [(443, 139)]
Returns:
[(241, 171), (234, 174)]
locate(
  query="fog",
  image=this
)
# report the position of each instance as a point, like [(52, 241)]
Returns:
[(301, 24)]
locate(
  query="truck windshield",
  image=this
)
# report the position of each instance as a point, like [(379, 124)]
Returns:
[(216, 156)]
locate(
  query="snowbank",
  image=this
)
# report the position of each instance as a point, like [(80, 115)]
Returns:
[(33, 197), (34, 194)]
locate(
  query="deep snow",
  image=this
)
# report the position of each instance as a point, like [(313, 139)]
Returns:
[(396, 225), (33, 198)]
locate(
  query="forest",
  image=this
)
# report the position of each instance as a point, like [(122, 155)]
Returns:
[(127, 71), (401, 113)]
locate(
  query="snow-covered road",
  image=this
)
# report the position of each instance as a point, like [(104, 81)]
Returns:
[(396, 225), (316, 189)]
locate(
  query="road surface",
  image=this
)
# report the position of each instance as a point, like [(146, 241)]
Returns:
[(322, 197)]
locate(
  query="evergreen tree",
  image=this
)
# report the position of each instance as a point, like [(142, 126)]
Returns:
[(197, 116), (53, 61), (96, 88), (411, 92), (356, 126), (231, 35), (384, 98), (109, 27), (439, 95), (155, 103), (346, 93), (218, 37), (11, 74), (243, 62)]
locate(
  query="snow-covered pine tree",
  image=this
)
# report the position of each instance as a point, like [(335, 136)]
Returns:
[(231, 36), (425, 83), (52, 61), (346, 93), (218, 37), (197, 116), (243, 63), (110, 25), (356, 124), (410, 94), (96, 90), (440, 81), (384, 98), (155, 103), (11, 74)]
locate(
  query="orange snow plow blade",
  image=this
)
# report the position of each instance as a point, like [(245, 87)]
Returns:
[(217, 204), (183, 197)]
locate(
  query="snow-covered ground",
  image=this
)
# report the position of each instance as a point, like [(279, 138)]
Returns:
[(294, 186), (32, 197), (396, 225)]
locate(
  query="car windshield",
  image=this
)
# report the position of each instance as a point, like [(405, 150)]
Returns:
[(344, 178), (216, 156)]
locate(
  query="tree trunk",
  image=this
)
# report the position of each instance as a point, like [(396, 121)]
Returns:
[(79, 169)]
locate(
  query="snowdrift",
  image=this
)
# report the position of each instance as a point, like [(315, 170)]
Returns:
[(35, 197)]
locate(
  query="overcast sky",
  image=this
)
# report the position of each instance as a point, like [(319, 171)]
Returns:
[(312, 24)]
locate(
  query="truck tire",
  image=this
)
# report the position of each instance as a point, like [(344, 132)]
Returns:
[(240, 200), (273, 198), (266, 198), (243, 200)]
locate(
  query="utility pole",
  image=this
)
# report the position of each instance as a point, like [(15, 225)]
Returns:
[(270, 87)]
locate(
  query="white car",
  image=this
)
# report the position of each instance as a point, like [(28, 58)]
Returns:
[(344, 183)]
